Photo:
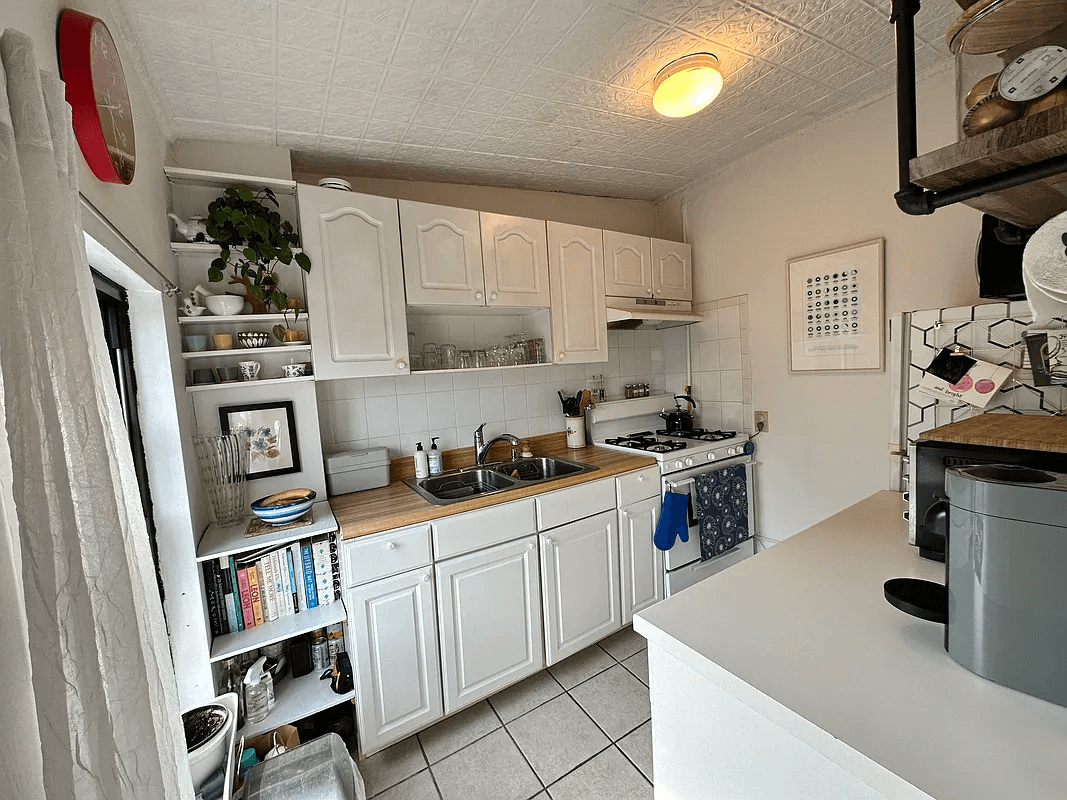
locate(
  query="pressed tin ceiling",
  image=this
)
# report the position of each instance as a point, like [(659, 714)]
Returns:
[(539, 94)]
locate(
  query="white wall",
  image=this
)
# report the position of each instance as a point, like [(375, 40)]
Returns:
[(832, 186)]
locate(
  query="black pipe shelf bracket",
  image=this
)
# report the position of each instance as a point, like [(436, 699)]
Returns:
[(912, 198)]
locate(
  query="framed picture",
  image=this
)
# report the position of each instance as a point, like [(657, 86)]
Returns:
[(837, 309), (271, 429)]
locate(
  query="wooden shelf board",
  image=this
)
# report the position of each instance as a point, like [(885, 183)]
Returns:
[(283, 628), (212, 319), (224, 180), (230, 540), (245, 352), (207, 387), (296, 698)]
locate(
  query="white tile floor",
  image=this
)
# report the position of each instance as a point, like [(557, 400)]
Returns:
[(579, 730)]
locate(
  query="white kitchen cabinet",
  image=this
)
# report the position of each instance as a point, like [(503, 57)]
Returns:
[(356, 284), (672, 270), (640, 561), (442, 255), (580, 584), (627, 265), (515, 261), (576, 277), (395, 657), (490, 620)]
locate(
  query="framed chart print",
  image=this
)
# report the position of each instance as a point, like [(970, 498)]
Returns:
[(271, 429), (837, 309)]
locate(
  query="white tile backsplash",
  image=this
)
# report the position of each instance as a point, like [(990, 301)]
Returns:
[(722, 368), (397, 412)]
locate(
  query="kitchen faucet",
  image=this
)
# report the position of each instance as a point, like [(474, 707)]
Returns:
[(481, 447)]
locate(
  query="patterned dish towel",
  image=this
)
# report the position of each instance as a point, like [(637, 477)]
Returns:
[(720, 500)]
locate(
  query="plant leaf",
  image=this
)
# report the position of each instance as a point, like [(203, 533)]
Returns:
[(304, 261), (246, 195)]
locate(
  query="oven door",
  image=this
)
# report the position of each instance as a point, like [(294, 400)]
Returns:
[(684, 553)]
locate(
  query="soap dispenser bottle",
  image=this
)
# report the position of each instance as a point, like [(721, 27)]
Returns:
[(435, 458), (256, 700), (422, 464)]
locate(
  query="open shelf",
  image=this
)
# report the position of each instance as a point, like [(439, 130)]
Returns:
[(204, 249), (296, 698), (208, 387), (476, 369), (229, 540), (224, 180), (245, 352), (212, 319), (232, 644)]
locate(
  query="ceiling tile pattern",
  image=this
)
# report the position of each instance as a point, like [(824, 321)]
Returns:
[(541, 94)]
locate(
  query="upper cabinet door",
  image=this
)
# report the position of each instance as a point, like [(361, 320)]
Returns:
[(442, 255), (515, 258), (355, 289), (627, 265), (576, 275), (672, 270)]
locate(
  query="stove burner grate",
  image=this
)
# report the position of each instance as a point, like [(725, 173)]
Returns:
[(699, 434)]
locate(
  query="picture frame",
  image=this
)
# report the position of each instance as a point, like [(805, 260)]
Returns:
[(837, 309), (273, 444)]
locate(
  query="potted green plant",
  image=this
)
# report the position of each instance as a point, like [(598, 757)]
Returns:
[(286, 333), (253, 239)]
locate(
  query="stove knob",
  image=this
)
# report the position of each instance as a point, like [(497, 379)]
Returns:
[(711, 456), (689, 462), (732, 451), (678, 464)]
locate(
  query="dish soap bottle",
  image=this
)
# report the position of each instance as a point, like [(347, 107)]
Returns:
[(422, 464), (435, 458), (256, 701)]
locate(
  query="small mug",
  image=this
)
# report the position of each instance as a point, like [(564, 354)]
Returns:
[(223, 341), (188, 305), (195, 342), (249, 370), (293, 370), (294, 335)]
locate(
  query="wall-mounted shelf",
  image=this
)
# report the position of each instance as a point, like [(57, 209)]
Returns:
[(208, 387), (229, 540), (182, 176), (204, 249), (245, 352), (211, 319), (476, 369), (232, 644)]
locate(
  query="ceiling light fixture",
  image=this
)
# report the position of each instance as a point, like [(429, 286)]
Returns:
[(686, 85)]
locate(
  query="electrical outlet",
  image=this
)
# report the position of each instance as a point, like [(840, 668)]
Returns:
[(763, 421)]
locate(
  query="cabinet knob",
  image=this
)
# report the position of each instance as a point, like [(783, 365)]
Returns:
[(425, 578), (648, 291), (562, 356), (478, 295), (391, 546), (401, 364), (625, 514), (492, 296), (532, 545), (548, 540), (640, 478)]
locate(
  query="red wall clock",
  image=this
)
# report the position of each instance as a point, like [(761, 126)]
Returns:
[(96, 90)]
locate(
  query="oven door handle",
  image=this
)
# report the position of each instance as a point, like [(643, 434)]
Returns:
[(679, 479)]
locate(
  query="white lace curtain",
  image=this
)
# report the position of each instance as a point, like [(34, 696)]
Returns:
[(89, 703)]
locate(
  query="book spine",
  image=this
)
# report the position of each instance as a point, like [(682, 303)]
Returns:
[(212, 603), (321, 553), (276, 596), (290, 572), (255, 595), (246, 599), (220, 597), (266, 582), (237, 608), (309, 574), (335, 566), (281, 582), (228, 592)]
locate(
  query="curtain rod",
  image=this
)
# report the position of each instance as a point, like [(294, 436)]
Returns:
[(169, 287)]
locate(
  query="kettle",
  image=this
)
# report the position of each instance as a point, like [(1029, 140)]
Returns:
[(195, 230), (679, 421)]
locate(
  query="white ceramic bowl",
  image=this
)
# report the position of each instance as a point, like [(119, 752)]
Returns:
[(224, 305)]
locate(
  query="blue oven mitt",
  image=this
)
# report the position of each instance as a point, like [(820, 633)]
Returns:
[(673, 521)]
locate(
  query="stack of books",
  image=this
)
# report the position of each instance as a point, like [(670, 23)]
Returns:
[(254, 588)]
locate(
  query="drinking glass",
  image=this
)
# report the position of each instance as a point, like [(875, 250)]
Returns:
[(466, 361), (446, 357), (429, 356), (481, 358), (416, 362)]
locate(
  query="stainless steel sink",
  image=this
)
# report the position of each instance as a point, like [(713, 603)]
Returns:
[(458, 485)]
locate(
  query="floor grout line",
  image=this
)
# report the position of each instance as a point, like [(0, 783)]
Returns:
[(428, 767), (521, 753)]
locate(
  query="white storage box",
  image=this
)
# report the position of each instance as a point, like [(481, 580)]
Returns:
[(356, 470)]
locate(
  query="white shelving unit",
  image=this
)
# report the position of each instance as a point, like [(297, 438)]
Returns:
[(209, 179), (296, 698), (232, 644), (246, 352), (251, 319), (229, 540), (212, 387), (204, 249)]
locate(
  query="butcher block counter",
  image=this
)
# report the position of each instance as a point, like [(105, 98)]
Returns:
[(397, 505), (1015, 431)]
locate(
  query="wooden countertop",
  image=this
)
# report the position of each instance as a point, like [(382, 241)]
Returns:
[(1016, 431), (397, 505)]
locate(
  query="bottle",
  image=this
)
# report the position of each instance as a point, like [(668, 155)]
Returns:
[(256, 701), (422, 463), (268, 681), (436, 461)]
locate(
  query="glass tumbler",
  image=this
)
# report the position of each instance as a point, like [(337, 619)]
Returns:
[(466, 360), (481, 358), (447, 357), (429, 356)]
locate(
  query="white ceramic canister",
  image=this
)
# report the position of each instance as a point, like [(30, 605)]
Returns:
[(575, 432)]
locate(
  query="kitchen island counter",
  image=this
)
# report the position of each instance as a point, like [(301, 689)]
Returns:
[(790, 676)]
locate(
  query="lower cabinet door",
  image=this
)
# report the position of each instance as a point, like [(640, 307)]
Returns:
[(580, 584), (641, 562), (395, 658), (490, 620)]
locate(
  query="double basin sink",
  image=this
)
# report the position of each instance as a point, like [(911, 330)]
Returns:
[(458, 485)]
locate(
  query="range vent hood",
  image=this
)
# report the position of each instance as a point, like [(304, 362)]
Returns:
[(627, 313)]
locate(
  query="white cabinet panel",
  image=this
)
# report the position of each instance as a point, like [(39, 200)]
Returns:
[(575, 502), (356, 286), (580, 584), (442, 255), (379, 555), (462, 533), (627, 265), (393, 644), (638, 485), (490, 618), (672, 270), (576, 275), (640, 561), (515, 260)]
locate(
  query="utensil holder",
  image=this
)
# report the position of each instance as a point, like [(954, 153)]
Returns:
[(575, 432), (223, 461)]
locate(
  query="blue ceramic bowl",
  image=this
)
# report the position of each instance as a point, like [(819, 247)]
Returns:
[(281, 514)]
